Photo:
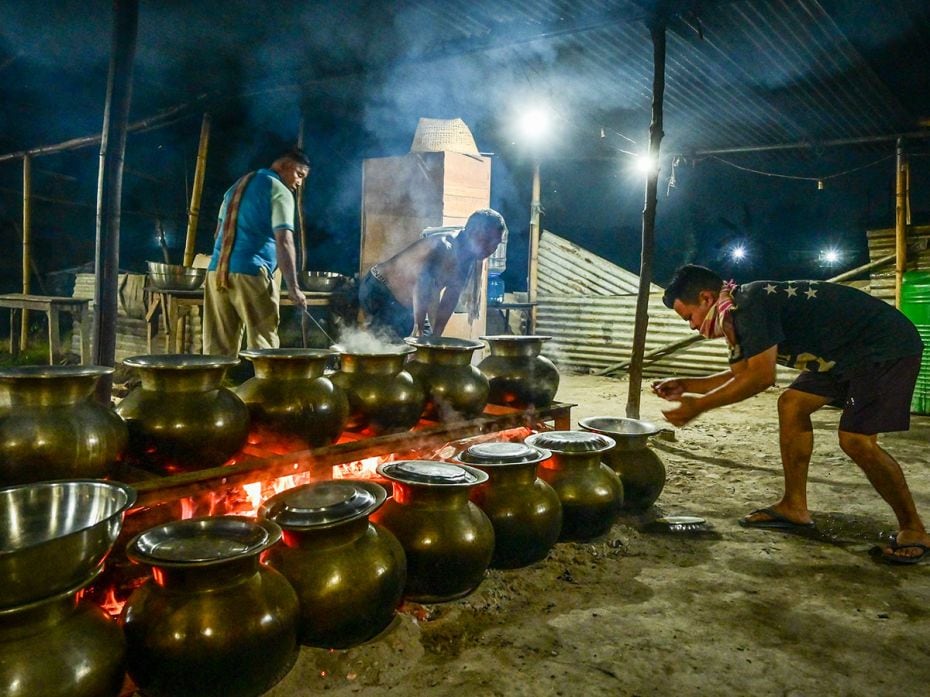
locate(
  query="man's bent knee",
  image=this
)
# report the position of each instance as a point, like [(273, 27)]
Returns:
[(857, 445), (793, 403)]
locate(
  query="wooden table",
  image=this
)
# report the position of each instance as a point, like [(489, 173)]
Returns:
[(523, 308), (175, 306), (51, 305)]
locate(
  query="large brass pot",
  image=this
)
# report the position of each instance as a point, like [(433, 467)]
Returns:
[(60, 646), (448, 540), (52, 428), (591, 493), (290, 397), (181, 418), (382, 395), (641, 470), (348, 572), (518, 375), (212, 621), (455, 388), (524, 510)]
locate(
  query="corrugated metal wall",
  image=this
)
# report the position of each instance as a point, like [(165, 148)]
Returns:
[(881, 244), (588, 306)]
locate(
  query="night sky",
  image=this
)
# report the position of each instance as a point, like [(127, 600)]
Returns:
[(258, 70)]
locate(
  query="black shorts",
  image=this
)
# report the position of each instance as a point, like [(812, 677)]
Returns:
[(874, 398)]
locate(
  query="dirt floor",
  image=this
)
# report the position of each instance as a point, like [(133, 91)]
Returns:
[(725, 612)]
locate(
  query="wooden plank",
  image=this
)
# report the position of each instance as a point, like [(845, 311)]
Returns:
[(320, 461)]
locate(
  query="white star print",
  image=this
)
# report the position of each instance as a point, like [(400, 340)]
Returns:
[(791, 291), (771, 289), (810, 293)]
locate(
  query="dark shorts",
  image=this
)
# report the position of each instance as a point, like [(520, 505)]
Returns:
[(385, 315), (874, 398)]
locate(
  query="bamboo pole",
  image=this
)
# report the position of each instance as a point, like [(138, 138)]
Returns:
[(301, 224), (657, 30), (27, 248), (193, 214), (900, 221), (110, 186), (533, 271)]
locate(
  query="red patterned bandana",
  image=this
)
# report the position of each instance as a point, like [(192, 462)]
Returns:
[(712, 326)]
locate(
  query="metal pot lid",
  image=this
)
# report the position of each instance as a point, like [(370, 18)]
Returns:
[(432, 473), (571, 441), (502, 453), (679, 524), (323, 504), (181, 361), (443, 343), (616, 426), (203, 541)]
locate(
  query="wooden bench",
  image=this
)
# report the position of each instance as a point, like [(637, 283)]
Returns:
[(51, 306)]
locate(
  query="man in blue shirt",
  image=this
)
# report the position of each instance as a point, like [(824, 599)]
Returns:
[(854, 351), (254, 239)]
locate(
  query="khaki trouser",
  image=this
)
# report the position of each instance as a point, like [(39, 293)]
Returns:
[(250, 303)]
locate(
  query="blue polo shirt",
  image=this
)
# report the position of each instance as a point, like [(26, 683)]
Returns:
[(266, 206)]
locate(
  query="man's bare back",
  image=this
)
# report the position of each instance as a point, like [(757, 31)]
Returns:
[(428, 276)]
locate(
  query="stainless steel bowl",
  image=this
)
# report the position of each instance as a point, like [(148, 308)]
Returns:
[(321, 281), (53, 535), (174, 277)]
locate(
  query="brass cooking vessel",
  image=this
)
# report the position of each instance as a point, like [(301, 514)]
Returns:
[(519, 376), (349, 573), (289, 395), (213, 621), (181, 418), (447, 539), (60, 646), (455, 388), (640, 469), (591, 493), (383, 396), (51, 427), (524, 510)]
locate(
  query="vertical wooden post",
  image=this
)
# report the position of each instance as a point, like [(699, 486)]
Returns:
[(27, 248), (900, 220), (657, 29), (533, 271), (110, 186), (193, 214)]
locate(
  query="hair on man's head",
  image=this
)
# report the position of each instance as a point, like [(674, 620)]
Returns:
[(296, 155), (687, 283), (486, 218)]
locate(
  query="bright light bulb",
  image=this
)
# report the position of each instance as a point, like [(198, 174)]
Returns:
[(534, 123), (830, 256), (738, 253), (647, 164)]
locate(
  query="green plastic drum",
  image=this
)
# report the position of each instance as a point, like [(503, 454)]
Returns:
[(915, 304)]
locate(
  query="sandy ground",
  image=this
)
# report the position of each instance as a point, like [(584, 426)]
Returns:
[(726, 612)]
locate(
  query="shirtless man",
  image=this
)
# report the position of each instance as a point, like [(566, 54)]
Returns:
[(417, 289), (854, 351)]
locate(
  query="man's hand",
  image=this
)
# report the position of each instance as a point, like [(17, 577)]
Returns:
[(297, 297), (669, 388), (688, 408)]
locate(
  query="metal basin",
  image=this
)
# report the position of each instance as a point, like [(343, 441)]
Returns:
[(54, 534), (174, 277), (321, 281), (630, 434)]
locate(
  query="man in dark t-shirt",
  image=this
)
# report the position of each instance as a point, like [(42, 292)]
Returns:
[(854, 352)]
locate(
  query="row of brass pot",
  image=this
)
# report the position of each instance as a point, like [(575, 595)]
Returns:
[(338, 558), (181, 417)]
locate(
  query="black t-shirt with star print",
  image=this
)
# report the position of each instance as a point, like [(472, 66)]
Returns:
[(819, 326)]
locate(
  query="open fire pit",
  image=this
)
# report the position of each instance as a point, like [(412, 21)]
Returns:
[(268, 465)]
